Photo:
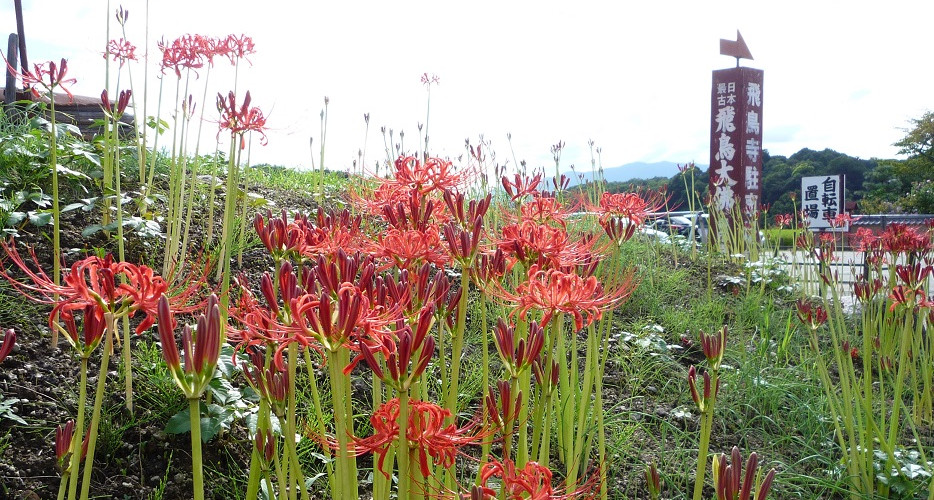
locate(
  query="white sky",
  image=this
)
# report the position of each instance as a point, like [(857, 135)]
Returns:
[(633, 77)]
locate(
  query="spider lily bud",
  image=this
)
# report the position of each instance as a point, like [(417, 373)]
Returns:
[(94, 327), (265, 444), (653, 481), (63, 437), (9, 338), (200, 359), (714, 346), (731, 484), (811, 317), (503, 411)]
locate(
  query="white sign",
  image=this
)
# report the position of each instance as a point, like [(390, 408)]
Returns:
[(822, 201)]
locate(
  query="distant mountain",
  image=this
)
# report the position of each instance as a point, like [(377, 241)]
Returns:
[(635, 170)]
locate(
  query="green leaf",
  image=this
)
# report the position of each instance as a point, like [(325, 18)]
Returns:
[(15, 218), (40, 219), (180, 423), (92, 229), (62, 169)]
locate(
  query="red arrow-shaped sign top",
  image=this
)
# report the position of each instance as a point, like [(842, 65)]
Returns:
[(737, 49)]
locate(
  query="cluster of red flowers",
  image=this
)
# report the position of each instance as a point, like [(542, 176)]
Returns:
[(191, 52), (240, 119)]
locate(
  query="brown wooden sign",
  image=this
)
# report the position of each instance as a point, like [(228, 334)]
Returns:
[(736, 140)]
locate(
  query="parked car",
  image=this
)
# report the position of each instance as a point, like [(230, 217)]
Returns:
[(675, 224)]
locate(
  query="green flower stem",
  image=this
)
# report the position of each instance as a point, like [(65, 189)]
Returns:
[(230, 197), (346, 474), (457, 347), (292, 454), (252, 487), (405, 475), (63, 486), (197, 471), (98, 402), (485, 379), (319, 413), (79, 431), (281, 476), (583, 403), (706, 428), (56, 216)]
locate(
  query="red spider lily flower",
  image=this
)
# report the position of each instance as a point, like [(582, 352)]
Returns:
[(731, 484), (522, 186), (903, 239), (687, 167), (121, 50), (332, 319), (532, 482), (812, 317), (409, 249), (9, 339), (115, 110), (544, 209), (633, 206), (528, 242), (553, 291), (866, 291), (237, 47), (281, 237), (518, 357), (783, 220), (504, 410), (200, 359), (331, 233), (434, 174), (47, 77), (240, 119), (842, 220), (865, 240), (429, 80), (426, 433), (187, 52), (714, 345)]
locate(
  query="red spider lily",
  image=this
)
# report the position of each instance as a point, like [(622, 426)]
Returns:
[(686, 168), (553, 291), (517, 357), (714, 345), (812, 317), (331, 320), (117, 109), (633, 206), (528, 242), (94, 281), (908, 297), (544, 209), (866, 291), (865, 240), (9, 340), (46, 76), (434, 174), (522, 186), (504, 410), (409, 249), (731, 484), (425, 432), (842, 220), (701, 399), (200, 359), (413, 211), (121, 50), (237, 47), (903, 239), (330, 233), (429, 80), (532, 482), (823, 251), (783, 220), (186, 52), (242, 119), (463, 245)]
